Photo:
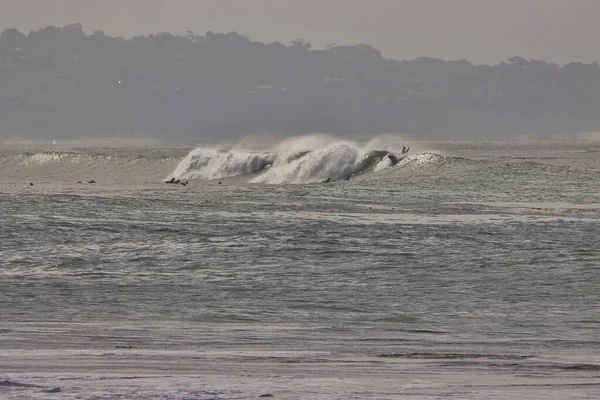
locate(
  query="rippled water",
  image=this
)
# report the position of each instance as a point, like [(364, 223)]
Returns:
[(461, 266)]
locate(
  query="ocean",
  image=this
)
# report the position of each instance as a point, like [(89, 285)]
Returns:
[(309, 268)]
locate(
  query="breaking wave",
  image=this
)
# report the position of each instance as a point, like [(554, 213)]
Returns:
[(300, 160), (305, 159), (203, 163)]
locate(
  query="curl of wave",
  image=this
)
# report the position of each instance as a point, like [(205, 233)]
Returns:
[(375, 161)]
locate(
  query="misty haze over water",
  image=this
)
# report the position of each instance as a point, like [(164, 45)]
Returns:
[(63, 83)]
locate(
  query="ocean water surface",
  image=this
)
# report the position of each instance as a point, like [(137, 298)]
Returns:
[(454, 271)]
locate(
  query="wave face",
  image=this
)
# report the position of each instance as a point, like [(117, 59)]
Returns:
[(376, 160), (71, 166), (299, 160)]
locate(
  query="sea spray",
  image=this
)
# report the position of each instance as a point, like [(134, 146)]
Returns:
[(303, 159), (332, 162), (203, 163)]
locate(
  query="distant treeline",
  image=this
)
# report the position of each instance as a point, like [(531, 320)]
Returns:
[(61, 82)]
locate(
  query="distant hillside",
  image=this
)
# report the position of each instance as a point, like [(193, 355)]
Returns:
[(61, 83)]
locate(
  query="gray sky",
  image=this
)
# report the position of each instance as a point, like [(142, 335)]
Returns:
[(482, 31)]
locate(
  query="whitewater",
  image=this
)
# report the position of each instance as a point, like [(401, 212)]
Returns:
[(308, 267)]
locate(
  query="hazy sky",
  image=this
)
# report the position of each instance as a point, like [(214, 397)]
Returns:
[(484, 31)]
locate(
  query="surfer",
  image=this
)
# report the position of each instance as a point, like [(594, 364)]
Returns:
[(172, 180), (405, 149), (327, 180), (347, 178)]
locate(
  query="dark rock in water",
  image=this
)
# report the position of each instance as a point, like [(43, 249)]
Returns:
[(266, 395), (219, 182), (31, 184), (176, 182), (53, 390)]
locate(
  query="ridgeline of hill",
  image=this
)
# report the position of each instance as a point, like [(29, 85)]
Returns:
[(63, 83)]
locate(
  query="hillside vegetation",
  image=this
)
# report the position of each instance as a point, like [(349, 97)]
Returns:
[(64, 83)]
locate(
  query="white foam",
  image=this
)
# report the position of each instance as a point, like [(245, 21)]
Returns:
[(335, 161), (302, 159), (202, 163)]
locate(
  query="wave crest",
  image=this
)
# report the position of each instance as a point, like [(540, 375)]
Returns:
[(203, 163), (332, 162), (299, 160)]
